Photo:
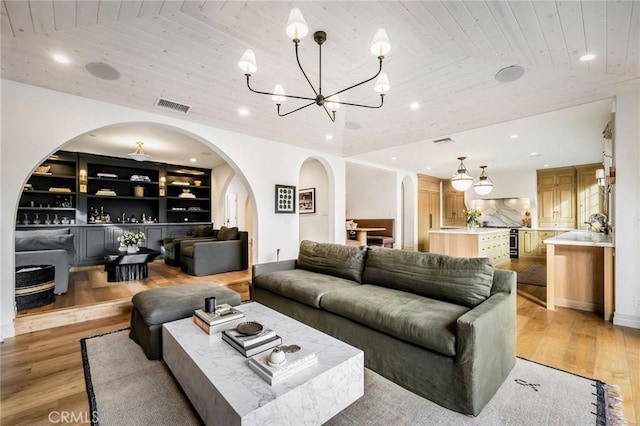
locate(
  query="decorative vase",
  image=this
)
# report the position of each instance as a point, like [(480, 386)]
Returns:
[(132, 249), (471, 225)]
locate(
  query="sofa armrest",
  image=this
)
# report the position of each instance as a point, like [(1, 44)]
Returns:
[(58, 258), (264, 268), (486, 345)]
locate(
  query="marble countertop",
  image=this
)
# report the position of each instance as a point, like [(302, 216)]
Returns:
[(582, 238), (469, 231)]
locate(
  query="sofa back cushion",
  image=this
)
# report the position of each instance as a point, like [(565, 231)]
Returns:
[(227, 234), (39, 232), (460, 280), (337, 260), (203, 231), (47, 242)]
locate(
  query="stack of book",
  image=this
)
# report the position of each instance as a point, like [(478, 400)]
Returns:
[(251, 345), (294, 363), (225, 317)]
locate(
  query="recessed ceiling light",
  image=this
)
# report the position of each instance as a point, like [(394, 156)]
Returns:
[(61, 58), (534, 154), (394, 158), (193, 160), (243, 111), (546, 165), (414, 105), (429, 168), (514, 136), (587, 57), (329, 137)]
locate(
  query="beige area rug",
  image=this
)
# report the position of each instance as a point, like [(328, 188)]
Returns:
[(534, 274), (124, 388)]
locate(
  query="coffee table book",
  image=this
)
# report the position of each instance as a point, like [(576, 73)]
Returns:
[(224, 313), (216, 328), (294, 363), (254, 349), (249, 340)]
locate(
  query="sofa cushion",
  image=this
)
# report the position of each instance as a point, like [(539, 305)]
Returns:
[(425, 322), (337, 260), (39, 232), (300, 285), (203, 231), (226, 234), (186, 251), (47, 242), (461, 280)]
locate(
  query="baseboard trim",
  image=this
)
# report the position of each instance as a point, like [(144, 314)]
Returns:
[(582, 306), (632, 321)]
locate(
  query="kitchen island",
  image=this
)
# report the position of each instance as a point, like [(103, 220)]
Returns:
[(479, 242), (580, 272)]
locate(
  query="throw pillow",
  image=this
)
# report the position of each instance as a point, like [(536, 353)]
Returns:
[(464, 281), (227, 234), (203, 231), (338, 260)]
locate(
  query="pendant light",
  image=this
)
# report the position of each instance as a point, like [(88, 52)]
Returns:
[(461, 181), (139, 154), (484, 184)]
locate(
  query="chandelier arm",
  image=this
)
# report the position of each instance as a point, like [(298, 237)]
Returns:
[(365, 106), (380, 58), (275, 94), (295, 110), (304, 73), (332, 118)]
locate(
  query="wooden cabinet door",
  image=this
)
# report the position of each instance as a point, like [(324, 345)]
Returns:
[(460, 209), (546, 206), (449, 211), (527, 243), (565, 206), (428, 216)]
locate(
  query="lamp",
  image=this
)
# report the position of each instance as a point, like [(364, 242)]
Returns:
[(484, 184), (297, 29), (139, 154), (461, 181), (162, 186), (82, 178)]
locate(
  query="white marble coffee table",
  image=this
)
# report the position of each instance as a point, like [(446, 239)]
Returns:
[(225, 391)]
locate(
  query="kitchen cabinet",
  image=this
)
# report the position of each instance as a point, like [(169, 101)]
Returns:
[(491, 243), (454, 211), (527, 243), (428, 209), (557, 198), (590, 196)]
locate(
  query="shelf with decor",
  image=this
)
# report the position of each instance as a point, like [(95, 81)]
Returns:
[(188, 196), (50, 193)]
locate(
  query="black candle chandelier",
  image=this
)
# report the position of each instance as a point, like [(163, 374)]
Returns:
[(297, 29)]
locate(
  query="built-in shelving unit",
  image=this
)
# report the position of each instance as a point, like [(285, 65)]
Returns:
[(195, 206)]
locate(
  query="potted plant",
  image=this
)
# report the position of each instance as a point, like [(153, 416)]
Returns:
[(130, 240), (472, 218)]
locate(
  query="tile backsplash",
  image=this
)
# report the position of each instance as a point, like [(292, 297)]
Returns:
[(508, 212)]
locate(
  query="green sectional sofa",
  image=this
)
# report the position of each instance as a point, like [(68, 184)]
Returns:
[(442, 327)]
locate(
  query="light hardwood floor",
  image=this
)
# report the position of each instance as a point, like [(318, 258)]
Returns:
[(41, 372)]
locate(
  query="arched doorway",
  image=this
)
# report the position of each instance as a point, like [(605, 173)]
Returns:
[(315, 207)]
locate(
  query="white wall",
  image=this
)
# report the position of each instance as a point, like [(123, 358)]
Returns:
[(36, 122), (315, 226), (626, 210), (409, 224), (372, 193), (220, 178)]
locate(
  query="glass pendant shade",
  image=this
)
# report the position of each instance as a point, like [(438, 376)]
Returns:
[(484, 184), (139, 154), (279, 96), (382, 83), (332, 102), (296, 25), (248, 62), (380, 45), (461, 181)]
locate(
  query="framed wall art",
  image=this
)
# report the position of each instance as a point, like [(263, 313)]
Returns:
[(307, 200), (285, 199)]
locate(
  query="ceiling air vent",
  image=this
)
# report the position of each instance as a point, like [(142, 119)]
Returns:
[(172, 106), (445, 140)]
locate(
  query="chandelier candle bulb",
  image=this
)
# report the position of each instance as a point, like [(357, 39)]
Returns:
[(380, 45), (382, 83), (296, 25), (279, 95), (333, 102), (248, 62)]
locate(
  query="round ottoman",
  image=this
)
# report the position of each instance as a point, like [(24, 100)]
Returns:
[(34, 286)]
